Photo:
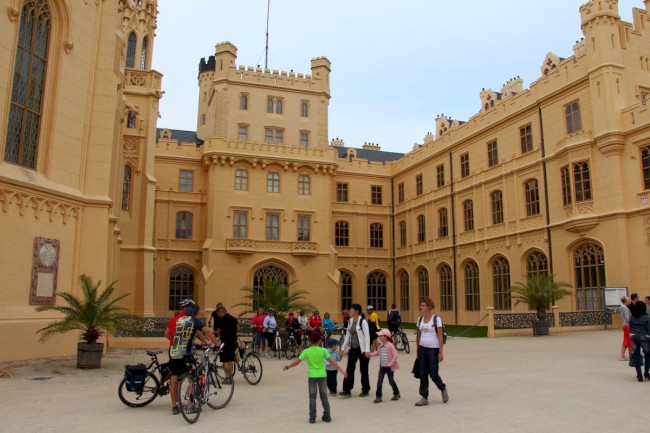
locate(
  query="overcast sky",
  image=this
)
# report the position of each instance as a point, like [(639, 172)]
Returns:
[(396, 65)]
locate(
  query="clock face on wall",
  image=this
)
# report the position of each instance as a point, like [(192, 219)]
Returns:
[(47, 255)]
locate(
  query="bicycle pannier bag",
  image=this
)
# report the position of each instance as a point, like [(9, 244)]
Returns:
[(135, 377)]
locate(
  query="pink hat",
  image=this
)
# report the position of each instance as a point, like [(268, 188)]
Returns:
[(384, 332)]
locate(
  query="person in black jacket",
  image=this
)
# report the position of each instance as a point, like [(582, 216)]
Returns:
[(640, 336)]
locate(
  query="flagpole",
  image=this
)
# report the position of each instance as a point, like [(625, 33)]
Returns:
[(266, 50)]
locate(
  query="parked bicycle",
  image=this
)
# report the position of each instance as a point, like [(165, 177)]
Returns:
[(248, 363), (205, 383), (402, 341), (291, 348), (142, 384), (277, 344)]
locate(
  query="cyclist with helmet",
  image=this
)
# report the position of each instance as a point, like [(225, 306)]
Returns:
[(270, 326)]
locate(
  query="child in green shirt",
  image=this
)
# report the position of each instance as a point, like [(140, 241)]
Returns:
[(316, 356)]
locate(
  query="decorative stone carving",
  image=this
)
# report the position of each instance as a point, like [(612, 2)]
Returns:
[(130, 152), (68, 46), (550, 63), (13, 13), (38, 204)]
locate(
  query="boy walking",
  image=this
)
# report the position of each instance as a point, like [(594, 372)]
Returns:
[(316, 356), (332, 349)]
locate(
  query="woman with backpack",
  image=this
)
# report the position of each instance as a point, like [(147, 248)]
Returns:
[(357, 338), (394, 321), (429, 344)]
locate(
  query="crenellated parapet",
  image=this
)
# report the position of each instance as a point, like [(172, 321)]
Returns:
[(551, 62), (512, 87), (599, 11), (444, 124), (489, 99)]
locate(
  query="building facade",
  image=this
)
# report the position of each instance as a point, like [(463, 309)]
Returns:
[(552, 178)]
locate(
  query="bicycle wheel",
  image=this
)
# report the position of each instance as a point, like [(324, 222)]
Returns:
[(189, 397), (290, 351), (139, 399), (399, 344), (278, 347), (405, 343), (251, 368), (219, 387)]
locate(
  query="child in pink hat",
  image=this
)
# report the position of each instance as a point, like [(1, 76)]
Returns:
[(387, 363)]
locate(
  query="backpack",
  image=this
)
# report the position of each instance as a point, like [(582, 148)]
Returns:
[(393, 318), (435, 325)]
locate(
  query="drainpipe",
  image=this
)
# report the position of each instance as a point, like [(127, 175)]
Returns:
[(392, 222), (453, 234), (548, 215)]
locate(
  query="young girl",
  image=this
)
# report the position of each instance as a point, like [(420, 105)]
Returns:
[(316, 356), (387, 364)]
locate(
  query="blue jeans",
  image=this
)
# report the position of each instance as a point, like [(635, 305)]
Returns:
[(319, 383), (386, 371), (428, 362), (638, 342)]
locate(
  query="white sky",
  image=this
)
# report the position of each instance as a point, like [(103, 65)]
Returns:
[(396, 65)]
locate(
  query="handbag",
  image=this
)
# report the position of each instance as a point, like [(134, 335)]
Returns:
[(416, 369)]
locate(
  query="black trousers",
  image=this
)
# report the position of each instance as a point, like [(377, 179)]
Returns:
[(355, 355), (332, 383)]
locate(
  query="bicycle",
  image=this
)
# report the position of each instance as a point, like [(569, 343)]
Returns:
[(205, 383), (402, 341), (248, 363), (136, 395), (277, 345), (291, 348)]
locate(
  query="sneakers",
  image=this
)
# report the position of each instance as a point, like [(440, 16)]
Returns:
[(176, 410), (363, 394), (623, 359), (345, 394), (312, 421), (377, 400), (327, 418), (423, 402), (639, 378), (445, 396), (396, 397)]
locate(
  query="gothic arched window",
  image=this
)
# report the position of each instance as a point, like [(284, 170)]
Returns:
[(181, 286), (130, 50)]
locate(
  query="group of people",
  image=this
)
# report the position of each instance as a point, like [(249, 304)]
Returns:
[(323, 365), (636, 333)]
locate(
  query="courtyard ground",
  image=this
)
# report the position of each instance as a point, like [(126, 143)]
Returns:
[(569, 382)]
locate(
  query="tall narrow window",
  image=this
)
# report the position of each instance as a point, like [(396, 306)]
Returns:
[(186, 181), (273, 182), (400, 192), (304, 184), (341, 234), (240, 225), (464, 165), (567, 198), (28, 84), (131, 118), (304, 109), (645, 165), (404, 290), (183, 225), (402, 233), (376, 235), (493, 153), (497, 207), (377, 290), (526, 138), (472, 287), (443, 225), (582, 181), (278, 105), (304, 227), (342, 192), (304, 139), (501, 284), (279, 136), (446, 289), (143, 56), (589, 266), (440, 175), (241, 179), (181, 286), (422, 228), (532, 197), (130, 50), (346, 290), (243, 133), (272, 227), (243, 101), (572, 115), (468, 215), (375, 194), (126, 188), (423, 283), (269, 104), (268, 135), (419, 186)]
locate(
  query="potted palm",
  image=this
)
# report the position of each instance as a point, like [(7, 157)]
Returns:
[(540, 292), (94, 314)]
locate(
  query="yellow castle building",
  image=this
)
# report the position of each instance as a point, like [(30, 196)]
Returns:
[(552, 178)]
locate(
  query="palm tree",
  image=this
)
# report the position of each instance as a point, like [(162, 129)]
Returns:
[(540, 291), (274, 294), (94, 314)]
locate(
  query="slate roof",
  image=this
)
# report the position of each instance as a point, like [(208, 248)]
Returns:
[(371, 155), (181, 136)]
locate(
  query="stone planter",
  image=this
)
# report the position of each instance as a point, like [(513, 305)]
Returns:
[(89, 355)]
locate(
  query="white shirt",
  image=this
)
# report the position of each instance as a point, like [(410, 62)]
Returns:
[(428, 333)]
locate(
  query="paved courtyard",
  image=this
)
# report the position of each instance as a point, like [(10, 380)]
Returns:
[(570, 382)]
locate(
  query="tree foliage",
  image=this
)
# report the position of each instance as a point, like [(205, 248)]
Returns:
[(540, 291), (94, 313), (274, 294)]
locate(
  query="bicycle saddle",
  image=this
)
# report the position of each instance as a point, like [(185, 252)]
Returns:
[(153, 352)]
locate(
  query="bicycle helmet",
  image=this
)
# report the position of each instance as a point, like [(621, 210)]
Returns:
[(187, 303)]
